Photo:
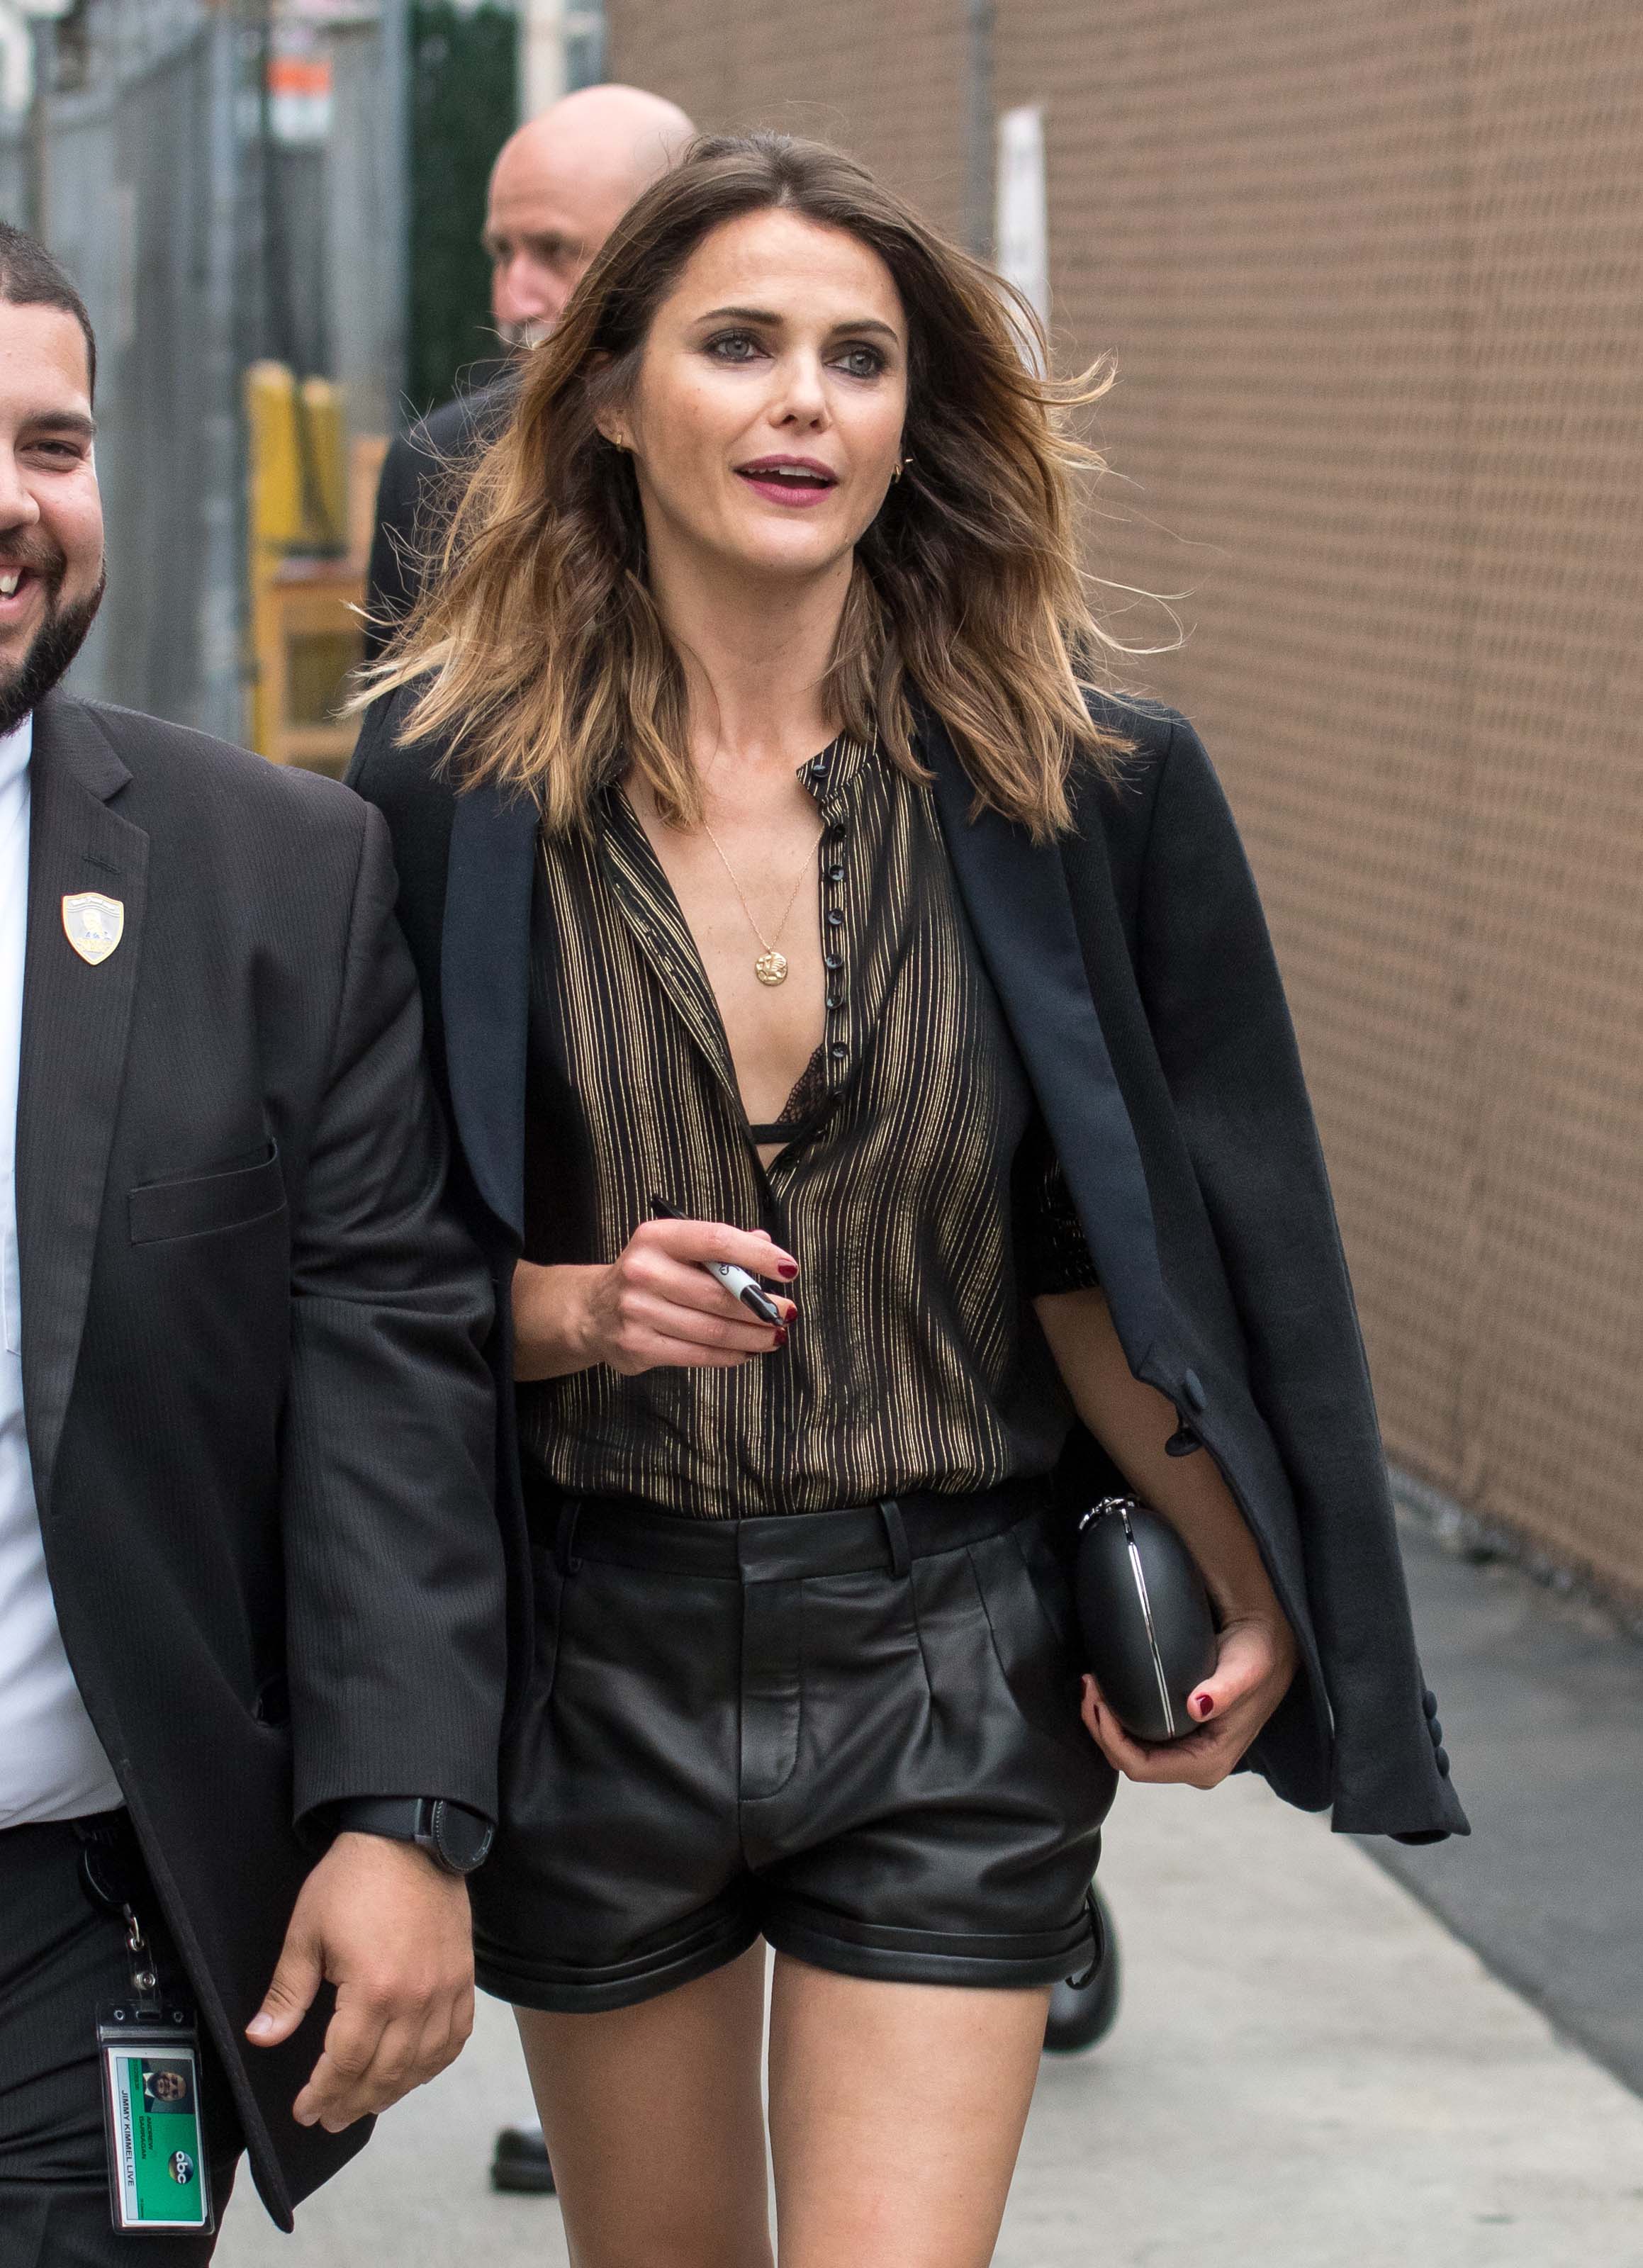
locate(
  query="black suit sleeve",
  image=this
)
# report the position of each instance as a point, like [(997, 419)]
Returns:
[(410, 471), (394, 1591), (1216, 1003), (422, 478)]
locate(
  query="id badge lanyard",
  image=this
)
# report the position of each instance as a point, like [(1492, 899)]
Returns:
[(148, 2045)]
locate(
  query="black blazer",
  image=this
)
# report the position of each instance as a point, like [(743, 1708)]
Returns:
[(413, 498), (260, 1421), (1133, 964)]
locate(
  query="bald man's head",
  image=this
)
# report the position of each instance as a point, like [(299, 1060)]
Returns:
[(560, 186)]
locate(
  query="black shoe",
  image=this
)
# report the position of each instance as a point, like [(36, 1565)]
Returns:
[(1081, 2014), (521, 2163)]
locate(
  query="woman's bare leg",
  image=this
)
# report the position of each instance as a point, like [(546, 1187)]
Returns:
[(896, 2113), (655, 2126)]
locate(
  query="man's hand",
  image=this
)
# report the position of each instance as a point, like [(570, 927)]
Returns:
[(391, 1932)]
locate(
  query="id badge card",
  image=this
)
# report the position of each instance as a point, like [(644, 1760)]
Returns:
[(158, 2175)]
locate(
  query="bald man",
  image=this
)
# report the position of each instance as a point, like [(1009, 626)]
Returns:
[(558, 187)]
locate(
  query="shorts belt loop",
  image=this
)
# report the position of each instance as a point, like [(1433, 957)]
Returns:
[(896, 1536), (564, 1542)]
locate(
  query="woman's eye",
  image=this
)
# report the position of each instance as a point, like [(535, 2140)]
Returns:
[(734, 346), (861, 361)]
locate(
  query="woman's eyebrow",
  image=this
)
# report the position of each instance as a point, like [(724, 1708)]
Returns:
[(740, 315), (868, 323), (769, 315)]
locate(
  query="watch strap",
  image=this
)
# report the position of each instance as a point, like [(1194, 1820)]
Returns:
[(453, 1837), (402, 1818)]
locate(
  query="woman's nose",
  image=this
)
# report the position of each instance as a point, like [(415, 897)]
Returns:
[(803, 396)]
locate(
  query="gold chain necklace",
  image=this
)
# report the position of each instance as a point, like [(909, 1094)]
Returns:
[(770, 968)]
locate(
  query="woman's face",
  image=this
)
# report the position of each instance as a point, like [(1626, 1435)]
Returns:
[(766, 418)]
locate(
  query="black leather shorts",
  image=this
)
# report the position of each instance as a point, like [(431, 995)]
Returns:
[(855, 1734)]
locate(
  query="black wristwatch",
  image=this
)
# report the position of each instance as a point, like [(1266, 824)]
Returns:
[(454, 1838)]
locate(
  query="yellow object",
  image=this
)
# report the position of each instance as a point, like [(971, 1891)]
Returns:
[(311, 503), (322, 454)]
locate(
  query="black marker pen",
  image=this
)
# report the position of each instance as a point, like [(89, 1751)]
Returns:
[(736, 1280)]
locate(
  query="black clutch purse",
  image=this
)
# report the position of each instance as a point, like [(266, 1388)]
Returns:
[(1144, 1613)]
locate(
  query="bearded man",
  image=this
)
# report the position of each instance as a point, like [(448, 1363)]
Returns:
[(251, 1590)]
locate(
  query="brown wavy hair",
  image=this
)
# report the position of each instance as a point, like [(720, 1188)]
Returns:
[(536, 649)]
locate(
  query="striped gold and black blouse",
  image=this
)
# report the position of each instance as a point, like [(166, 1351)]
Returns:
[(916, 1186)]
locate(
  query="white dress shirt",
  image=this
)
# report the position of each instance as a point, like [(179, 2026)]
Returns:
[(52, 1764)]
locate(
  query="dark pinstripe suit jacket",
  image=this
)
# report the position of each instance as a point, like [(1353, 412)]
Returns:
[(259, 1418), (1134, 967)]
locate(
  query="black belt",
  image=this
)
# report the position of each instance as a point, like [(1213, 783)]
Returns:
[(626, 1532)]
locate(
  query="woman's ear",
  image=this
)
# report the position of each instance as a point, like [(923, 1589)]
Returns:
[(608, 417)]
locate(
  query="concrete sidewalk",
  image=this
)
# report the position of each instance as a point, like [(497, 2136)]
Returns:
[(1543, 1703), (1308, 2071)]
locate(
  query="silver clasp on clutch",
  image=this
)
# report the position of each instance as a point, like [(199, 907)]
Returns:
[(1123, 1505)]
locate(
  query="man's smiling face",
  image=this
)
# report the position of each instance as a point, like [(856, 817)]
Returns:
[(51, 516)]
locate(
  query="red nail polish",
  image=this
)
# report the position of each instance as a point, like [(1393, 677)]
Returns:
[(1203, 1705), (781, 1336), (787, 1270)]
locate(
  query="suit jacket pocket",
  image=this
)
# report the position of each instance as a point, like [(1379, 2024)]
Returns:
[(203, 1203)]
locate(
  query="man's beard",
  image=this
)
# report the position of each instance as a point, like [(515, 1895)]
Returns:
[(519, 338), (56, 642)]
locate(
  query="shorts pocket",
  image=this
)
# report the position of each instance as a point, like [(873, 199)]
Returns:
[(548, 1589), (1052, 1587), (1031, 1634)]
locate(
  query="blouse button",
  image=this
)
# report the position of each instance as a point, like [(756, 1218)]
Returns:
[(838, 1051), (834, 918), (832, 961), (836, 873), (835, 999)]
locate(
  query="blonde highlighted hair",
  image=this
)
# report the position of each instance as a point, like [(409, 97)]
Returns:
[(536, 652)]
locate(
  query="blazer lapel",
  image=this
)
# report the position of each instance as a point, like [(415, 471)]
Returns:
[(1015, 892), (76, 1019), (485, 990)]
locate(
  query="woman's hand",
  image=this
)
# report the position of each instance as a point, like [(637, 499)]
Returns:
[(1256, 1656), (655, 1305), (1255, 1661)]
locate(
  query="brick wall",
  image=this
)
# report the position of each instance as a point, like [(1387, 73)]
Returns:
[(1371, 276)]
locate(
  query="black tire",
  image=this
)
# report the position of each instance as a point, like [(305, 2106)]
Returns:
[(1081, 2015)]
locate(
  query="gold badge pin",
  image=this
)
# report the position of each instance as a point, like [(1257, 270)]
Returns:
[(93, 924)]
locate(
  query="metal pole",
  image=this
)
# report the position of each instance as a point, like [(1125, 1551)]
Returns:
[(542, 75), (221, 615), (43, 61), (395, 191), (978, 127)]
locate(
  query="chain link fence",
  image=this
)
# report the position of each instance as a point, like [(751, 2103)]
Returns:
[(207, 229)]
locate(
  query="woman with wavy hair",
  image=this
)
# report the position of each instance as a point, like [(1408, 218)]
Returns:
[(792, 897)]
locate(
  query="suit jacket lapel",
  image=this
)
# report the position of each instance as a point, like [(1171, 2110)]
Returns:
[(1015, 892), (485, 990), (76, 1019)]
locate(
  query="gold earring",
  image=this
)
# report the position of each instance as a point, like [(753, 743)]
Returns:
[(902, 463)]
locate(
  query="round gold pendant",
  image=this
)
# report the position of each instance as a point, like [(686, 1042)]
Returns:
[(772, 969)]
